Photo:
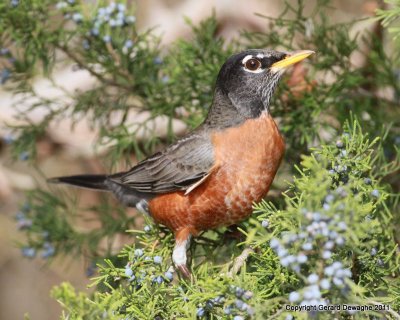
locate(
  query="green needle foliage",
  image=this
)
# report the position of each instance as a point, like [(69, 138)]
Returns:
[(332, 243), (328, 237), (390, 19)]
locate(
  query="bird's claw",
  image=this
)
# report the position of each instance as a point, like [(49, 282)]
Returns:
[(184, 271)]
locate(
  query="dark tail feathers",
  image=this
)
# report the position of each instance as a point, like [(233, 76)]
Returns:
[(91, 181)]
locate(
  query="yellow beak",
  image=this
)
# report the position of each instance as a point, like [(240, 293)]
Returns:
[(290, 59)]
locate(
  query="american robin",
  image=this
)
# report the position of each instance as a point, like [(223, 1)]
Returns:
[(213, 175)]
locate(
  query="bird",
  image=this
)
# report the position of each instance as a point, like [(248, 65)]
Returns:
[(212, 176)]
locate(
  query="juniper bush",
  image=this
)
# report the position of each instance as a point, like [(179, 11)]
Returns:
[(326, 238)]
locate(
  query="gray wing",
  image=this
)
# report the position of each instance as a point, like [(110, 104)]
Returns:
[(178, 167)]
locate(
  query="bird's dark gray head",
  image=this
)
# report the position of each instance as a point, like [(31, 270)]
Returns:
[(247, 81)]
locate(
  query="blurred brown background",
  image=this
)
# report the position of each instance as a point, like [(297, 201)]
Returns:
[(25, 284)]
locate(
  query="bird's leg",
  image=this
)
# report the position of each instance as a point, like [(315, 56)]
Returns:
[(179, 257), (233, 233)]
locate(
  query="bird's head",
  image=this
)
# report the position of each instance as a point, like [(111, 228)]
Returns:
[(249, 78)]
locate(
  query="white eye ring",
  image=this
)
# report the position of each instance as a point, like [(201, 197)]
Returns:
[(248, 57), (252, 65)]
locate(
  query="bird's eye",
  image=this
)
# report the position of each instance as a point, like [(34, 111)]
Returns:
[(252, 64)]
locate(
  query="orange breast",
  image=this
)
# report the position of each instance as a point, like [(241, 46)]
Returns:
[(247, 158)]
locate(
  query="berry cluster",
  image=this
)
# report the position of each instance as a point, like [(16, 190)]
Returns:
[(24, 155), (323, 230), (326, 230), (47, 248), (311, 294), (28, 252), (340, 171), (9, 138), (106, 21), (23, 222), (136, 274), (317, 239), (43, 244), (113, 15), (64, 5), (341, 167), (91, 269), (5, 73), (239, 309), (14, 3), (202, 311)]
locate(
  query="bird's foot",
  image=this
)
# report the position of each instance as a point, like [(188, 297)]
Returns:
[(184, 271), (179, 256)]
